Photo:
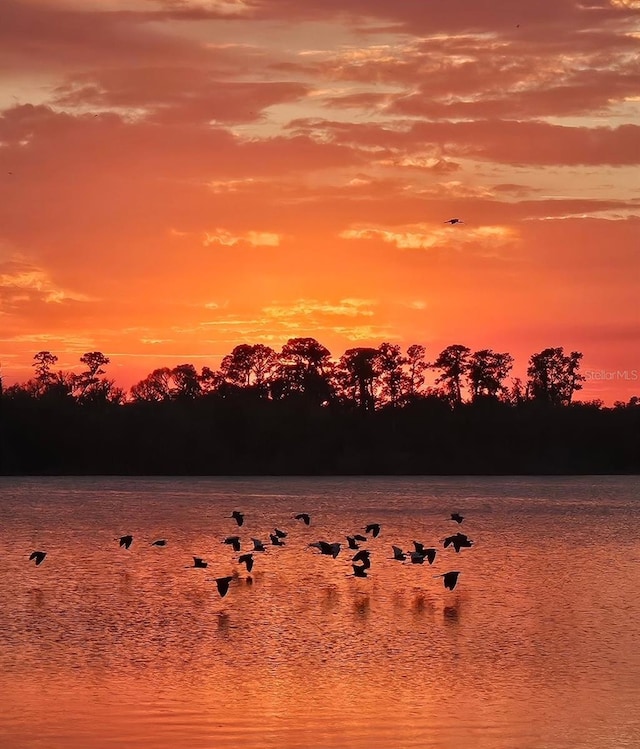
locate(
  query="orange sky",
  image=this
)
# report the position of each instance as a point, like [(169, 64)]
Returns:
[(181, 176)]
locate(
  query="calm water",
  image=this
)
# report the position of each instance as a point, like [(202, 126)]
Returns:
[(537, 647)]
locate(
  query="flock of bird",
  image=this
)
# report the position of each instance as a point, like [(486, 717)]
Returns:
[(360, 561)]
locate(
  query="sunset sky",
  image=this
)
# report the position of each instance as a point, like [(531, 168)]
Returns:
[(181, 176)]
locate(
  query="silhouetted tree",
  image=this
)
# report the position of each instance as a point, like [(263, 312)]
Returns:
[(392, 379), (304, 367), (554, 377), (43, 361), (452, 362), (154, 388), (186, 382), (247, 364), (416, 366), (357, 373), (486, 371)]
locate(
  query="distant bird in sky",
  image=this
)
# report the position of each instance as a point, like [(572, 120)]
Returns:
[(360, 537), (126, 541), (159, 542), (275, 540), (419, 547), (453, 221), (247, 559), (457, 517), (306, 519), (238, 517), (38, 556), (353, 544), (258, 545), (359, 570), (458, 541), (199, 563), (417, 557), (373, 528), (398, 554), (279, 533), (222, 583), (233, 541), (450, 579)]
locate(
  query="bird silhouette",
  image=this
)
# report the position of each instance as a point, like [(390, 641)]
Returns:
[(359, 570), (457, 517), (159, 542), (258, 545), (199, 563), (416, 557), (306, 519), (238, 517), (398, 554), (373, 528), (276, 540), (429, 555), (38, 556), (362, 556), (247, 559), (450, 579), (360, 537), (353, 544), (331, 550), (279, 533), (453, 221), (222, 583), (126, 541), (458, 541), (233, 541)]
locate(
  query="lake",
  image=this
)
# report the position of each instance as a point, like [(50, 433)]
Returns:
[(537, 647)]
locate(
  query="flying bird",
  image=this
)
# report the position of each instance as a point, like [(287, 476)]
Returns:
[(417, 557), (359, 570), (233, 541), (159, 542), (126, 541), (198, 562), (279, 533), (331, 550), (238, 517), (453, 221), (258, 545), (222, 583), (276, 540), (247, 559), (450, 579), (398, 554), (362, 556), (353, 544), (457, 517), (458, 541), (429, 555), (306, 519), (360, 537), (38, 556), (373, 528)]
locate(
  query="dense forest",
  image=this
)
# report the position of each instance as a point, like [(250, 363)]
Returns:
[(299, 411)]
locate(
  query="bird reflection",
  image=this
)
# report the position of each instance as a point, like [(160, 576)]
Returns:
[(451, 614), (362, 607), (224, 622)]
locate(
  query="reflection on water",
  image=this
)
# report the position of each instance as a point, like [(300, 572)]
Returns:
[(537, 646)]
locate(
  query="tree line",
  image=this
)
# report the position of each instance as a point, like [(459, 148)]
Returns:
[(298, 410)]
